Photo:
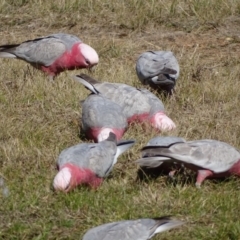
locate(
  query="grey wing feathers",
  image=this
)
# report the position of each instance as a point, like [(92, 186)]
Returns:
[(208, 154), (141, 229), (98, 111), (151, 162), (44, 52), (155, 103), (123, 230), (101, 158), (165, 141), (86, 83), (159, 66), (68, 39), (76, 154)]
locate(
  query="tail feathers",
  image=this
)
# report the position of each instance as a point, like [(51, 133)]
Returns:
[(88, 85), (165, 224), (7, 51), (168, 71), (7, 55), (9, 46), (157, 150), (88, 78), (123, 146), (151, 162)]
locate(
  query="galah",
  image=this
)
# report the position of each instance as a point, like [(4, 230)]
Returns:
[(209, 158), (140, 229), (139, 105), (159, 69), (88, 163), (100, 116), (53, 54)]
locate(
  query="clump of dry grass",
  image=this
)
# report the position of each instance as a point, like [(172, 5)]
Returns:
[(40, 118)]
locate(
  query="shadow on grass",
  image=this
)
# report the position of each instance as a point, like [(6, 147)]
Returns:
[(181, 177)]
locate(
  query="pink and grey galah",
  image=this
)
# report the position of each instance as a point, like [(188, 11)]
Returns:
[(159, 69), (139, 105), (53, 54), (209, 158), (100, 116), (139, 229), (88, 163)]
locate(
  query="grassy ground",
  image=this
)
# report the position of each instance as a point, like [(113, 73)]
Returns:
[(39, 119)]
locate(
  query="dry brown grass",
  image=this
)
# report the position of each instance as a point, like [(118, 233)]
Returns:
[(39, 119)]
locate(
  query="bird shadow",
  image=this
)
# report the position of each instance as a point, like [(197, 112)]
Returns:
[(82, 135), (182, 176)]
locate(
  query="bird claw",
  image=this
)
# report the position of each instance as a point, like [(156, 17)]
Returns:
[(171, 174), (198, 185)]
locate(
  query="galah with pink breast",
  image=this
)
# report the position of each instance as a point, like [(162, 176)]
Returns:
[(53, 54), (100, 116), (209, 158), (139, 105), (88, 163)]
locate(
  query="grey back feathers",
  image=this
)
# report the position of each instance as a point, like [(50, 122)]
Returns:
[(141, 229), (132, 100), (68, 39), (98, 111), (98, 157), (209, 154), (157, 68)]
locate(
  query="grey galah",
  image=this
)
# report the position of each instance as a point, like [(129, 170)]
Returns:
[(140, 229), (88, 163), (209, 158), (159, 69), (138, 104), (53, 54), (100, 116)]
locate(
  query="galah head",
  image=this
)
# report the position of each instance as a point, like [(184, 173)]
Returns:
[(162, 122), (89, 56), (63, 181)]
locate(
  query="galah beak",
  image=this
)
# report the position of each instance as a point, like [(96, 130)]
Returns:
[(92, 68)]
